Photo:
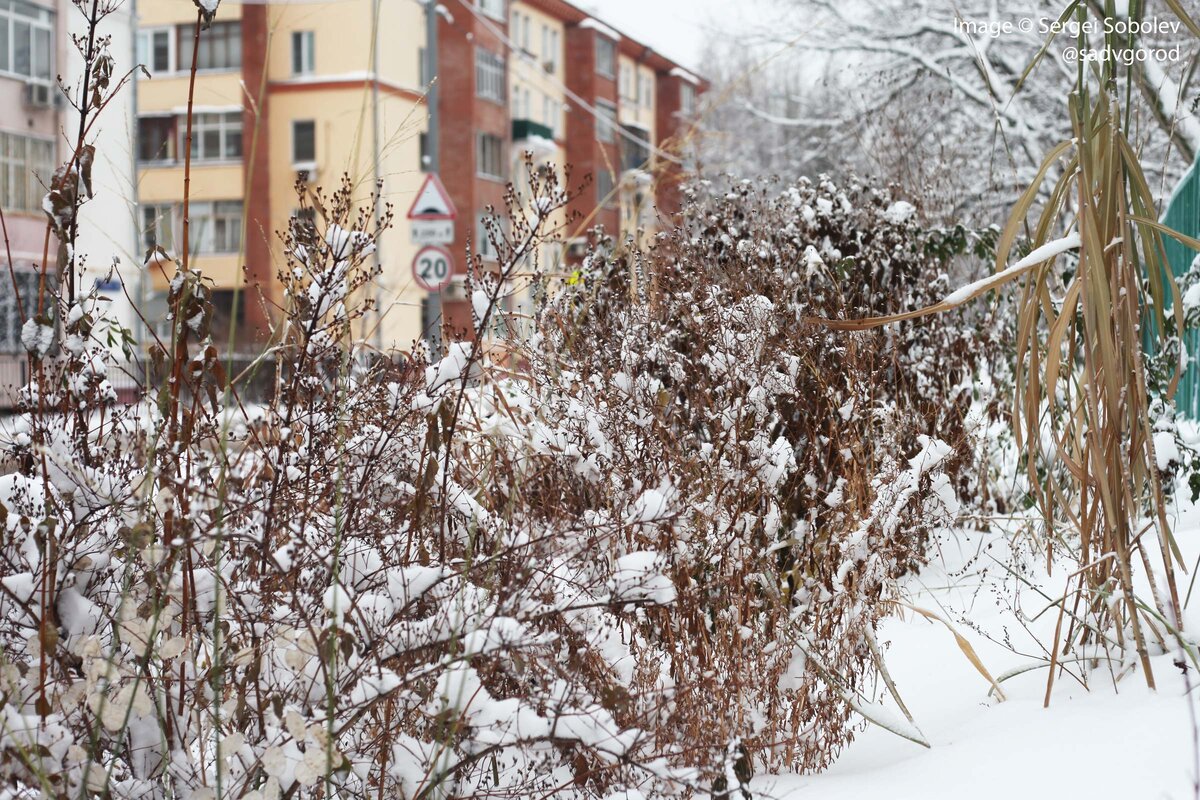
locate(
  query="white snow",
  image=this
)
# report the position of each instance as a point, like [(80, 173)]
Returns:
[(599, 27), (450, 368), (1141, 744), (636, 577), (37, 337), (899, 212), (683, 74), (1035, 257)]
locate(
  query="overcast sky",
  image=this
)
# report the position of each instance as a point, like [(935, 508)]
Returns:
[(673, 27)]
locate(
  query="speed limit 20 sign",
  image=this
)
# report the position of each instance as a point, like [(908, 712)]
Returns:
[(433, 267)]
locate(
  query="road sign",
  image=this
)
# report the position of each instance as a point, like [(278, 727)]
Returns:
[(433, 201), (432, 231), (433, 267)]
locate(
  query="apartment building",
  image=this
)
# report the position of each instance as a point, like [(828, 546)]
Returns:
[(285, 92), (315, 90), (30, 37), (579, 92), (35, 50)]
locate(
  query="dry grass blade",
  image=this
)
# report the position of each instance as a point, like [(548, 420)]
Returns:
[(963, 645)]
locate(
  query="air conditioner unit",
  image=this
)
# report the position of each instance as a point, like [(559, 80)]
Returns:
[(39, 95)]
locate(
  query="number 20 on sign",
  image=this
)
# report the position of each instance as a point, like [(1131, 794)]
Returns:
[(433, 267)]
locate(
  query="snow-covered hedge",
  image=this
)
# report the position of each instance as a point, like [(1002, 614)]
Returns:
[(643, 550)]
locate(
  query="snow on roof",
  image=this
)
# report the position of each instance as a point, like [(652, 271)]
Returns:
[(600, 28), (683, 74)]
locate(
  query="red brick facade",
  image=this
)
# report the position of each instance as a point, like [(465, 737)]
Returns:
[(586, 154), (257, 149), (464, 117)]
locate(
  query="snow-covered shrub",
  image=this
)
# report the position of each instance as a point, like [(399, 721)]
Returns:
[(779, 437), (644, 550)]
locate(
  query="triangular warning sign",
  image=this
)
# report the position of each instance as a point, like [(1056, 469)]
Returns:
[(433, 201)]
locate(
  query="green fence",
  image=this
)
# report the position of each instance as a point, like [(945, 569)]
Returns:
[(1183, 215)]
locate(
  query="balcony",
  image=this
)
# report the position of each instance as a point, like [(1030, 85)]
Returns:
[(527, 129)]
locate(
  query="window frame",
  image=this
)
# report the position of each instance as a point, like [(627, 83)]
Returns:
[(493, 8), (606, 195), (28, 280), (150, 222), (608, 46), (687, 99), (483, 145), (147, 50), (22, 174), (40, 23), (205, 216), (171, 140), (224, 127), (483, 242), (218, 34), (304, 163), (490, 76), (550, 49), (304, 49), (627, 85), (606, 122)]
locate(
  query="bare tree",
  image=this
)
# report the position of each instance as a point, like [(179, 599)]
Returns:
[(941, 96)]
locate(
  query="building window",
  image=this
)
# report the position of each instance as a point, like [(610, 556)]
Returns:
[(216, 227), (24, 163), (220, 47), (522, 107), (628, 90), (604, 188), (303, 53), (484, 245), (493, 8), (550, 114), (489, 156), (606, 57), (606, 121), (489, 75), (26, 40), (646, 90), (687, 99), (635, 151), (156, 139), (549, 49), (158, 227), (304, 142), (156, 49), (215, 137), (28, 286)]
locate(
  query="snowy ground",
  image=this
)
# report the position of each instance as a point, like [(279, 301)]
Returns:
[(1126, 743)]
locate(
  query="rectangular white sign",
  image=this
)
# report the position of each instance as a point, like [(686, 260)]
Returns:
[(432, 231)]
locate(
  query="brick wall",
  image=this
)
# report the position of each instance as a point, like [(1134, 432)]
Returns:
[(256, 154), (463, 117)]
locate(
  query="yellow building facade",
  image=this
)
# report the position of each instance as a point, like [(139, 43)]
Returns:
[(282, 91)]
